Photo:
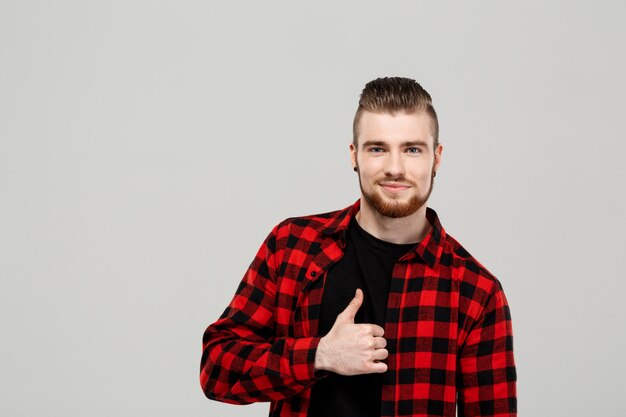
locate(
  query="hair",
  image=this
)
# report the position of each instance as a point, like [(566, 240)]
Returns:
[(395, 94)]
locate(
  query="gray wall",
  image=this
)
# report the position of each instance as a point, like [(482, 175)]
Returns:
[(147, 148)]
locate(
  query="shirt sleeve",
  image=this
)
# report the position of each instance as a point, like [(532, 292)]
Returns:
[(487, 378), (242, 360)]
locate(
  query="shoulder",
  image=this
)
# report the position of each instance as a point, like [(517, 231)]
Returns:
[(315, 221), (475, 280), (306, 233), (313, 226)]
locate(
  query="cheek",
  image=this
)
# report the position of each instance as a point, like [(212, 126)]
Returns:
[(423, 175), (371, 164), (369, 172)]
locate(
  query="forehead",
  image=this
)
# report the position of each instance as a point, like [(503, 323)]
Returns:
[(395, 128)]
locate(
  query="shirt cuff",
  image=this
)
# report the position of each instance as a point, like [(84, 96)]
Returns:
[(303, 360)]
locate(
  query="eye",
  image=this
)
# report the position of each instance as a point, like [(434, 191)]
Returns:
[(376, 149), (414, 149)]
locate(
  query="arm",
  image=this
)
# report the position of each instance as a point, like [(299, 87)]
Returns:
[(243, 361), (486, 381)]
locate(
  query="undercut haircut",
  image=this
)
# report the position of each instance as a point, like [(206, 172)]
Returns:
[(392, 95)]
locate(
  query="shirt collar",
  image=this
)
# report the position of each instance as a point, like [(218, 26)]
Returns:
[(338, 222), (429, 249)]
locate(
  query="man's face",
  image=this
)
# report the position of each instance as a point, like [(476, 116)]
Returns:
[(395, 161)]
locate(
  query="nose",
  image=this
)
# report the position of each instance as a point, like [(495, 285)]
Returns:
[(394, 165)]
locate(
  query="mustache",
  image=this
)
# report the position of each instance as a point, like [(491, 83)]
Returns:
[(402, 179)]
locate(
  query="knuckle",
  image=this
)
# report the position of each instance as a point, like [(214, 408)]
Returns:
[(365, 343), (364, 330)]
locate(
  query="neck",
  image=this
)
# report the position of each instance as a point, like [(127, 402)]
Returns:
[(410, 229)]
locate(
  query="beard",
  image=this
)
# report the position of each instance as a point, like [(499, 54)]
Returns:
[(397, 209)]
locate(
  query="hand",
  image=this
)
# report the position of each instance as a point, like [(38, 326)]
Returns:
[(350, 348)]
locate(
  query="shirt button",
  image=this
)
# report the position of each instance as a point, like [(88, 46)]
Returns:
[(313, 274)]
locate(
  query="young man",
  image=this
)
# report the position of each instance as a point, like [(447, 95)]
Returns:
[(373, 310)]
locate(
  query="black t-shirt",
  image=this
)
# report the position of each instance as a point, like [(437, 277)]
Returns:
[(367, 264)]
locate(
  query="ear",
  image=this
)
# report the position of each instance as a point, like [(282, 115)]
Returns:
[(353, 155), (438, 152)]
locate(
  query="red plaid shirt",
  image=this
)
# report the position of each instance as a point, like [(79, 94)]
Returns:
[(448, 327)]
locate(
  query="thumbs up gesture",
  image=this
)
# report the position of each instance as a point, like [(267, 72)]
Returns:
[(350, 348)]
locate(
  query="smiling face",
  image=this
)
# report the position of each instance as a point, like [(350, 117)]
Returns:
[(395, 161)]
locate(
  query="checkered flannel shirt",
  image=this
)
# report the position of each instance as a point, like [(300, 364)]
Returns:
[(448, 327)]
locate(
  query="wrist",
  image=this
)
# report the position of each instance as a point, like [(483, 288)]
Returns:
[(321, 359)]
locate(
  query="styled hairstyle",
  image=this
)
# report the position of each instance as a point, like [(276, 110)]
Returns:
[(395, 94)]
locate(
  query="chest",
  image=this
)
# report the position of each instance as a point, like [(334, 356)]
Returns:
[(421, 311)]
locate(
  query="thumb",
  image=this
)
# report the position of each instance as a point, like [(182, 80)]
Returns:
[(350, 311)]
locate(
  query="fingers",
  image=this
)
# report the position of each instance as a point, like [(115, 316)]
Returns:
[(350, 311), (378, 368), (377, 331), (371, 329), (380, 354), (380, 342)]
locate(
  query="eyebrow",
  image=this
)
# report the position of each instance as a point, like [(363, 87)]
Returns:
[(405, 144)]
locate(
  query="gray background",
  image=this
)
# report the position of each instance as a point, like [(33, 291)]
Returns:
[(148, 147)]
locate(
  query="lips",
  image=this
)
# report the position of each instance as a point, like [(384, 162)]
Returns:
[(394, 186)]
